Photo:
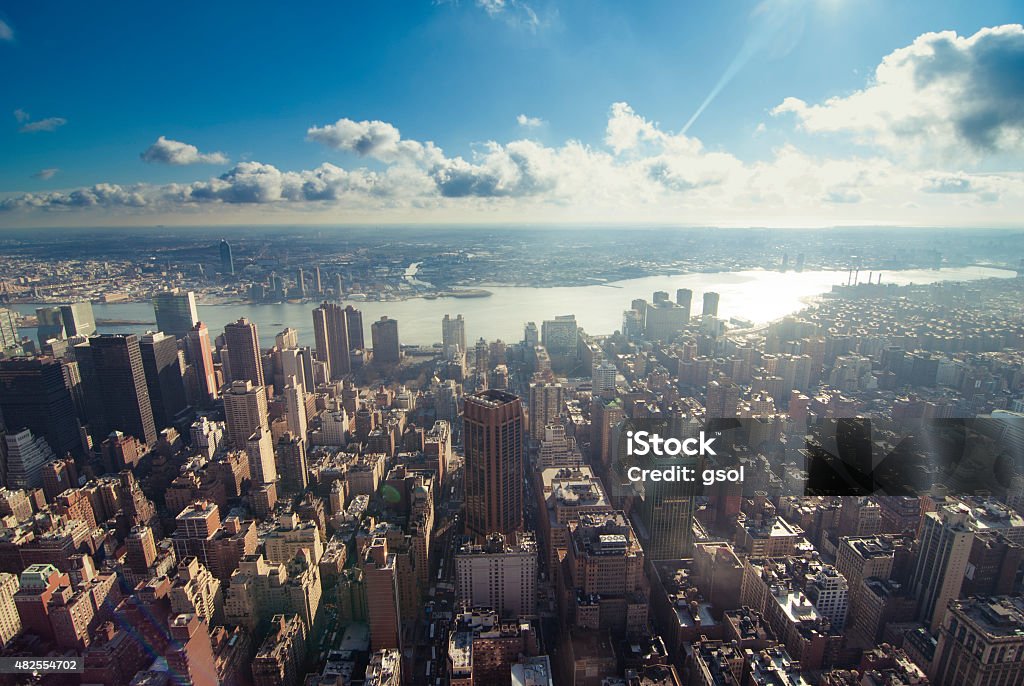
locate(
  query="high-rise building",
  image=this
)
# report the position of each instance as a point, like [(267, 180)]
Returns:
[(339, 286), (291, 451), (260, 448), (559, 335), (500, 573), (163, 377), (684, 298), (605, 566), (603, 378), (493, 439), (34, 394), (201, 355), (245, 409), (295, 412), (243, 342), (190, 653), (330, 330), (384, 335), (380, 574), (318, 284), (945, 546), (26, 455), (227, 262), (300, 283), (356, 339), (546, 405), (78, 319), (664, 321), (9, 338), (710, 304), (980, 643), (117, 371), (49, 324), (141, 547), (10, 622), (176, 312), (287, 339), (453, 332), (280, 658), (830, 594)]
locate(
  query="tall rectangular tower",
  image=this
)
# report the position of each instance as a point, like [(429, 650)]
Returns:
[(493, 437)]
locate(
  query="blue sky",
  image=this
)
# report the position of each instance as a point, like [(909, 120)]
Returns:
[(90, 87)]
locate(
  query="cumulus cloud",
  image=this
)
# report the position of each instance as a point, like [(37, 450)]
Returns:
[(640, 171), (45, 174), (377, 140), (167, 151), (48, 124), (6, 32), (529, 122), (939, 97)]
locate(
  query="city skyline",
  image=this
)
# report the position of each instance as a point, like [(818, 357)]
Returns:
[(777, 113)]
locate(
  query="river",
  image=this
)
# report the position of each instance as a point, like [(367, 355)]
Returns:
[(755, 295)]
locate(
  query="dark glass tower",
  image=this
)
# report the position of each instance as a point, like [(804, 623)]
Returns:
[(163, 377), (227, 262), (34, 394), (117, 371)]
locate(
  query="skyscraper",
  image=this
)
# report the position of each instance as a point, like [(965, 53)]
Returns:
[(296, 407), (26, 455), (603, 378), (227, 262), (78, 319), (50, 324), (120, 383), (546, 404), (946, 540), (201, 355), (453, 332), (176, 312), (330, 330), (710, 304), (245, 408), (354, 318), (493, 437), (384, 334), (318, 284), (8, 329), (684, 298), (34, 394), (559, 335), (260, 448), (300, 283), (243, 342), (163, 377)]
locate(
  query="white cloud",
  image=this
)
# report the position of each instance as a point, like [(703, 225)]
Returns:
[(48, 124), (21, 115), (6, 32), (167, 151), (374, 139), (515, 12), (529, 122), (939, 98), (46, 174)]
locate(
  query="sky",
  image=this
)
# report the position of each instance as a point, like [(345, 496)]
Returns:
[(766, 113)]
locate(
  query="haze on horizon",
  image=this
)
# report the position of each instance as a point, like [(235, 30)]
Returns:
[(778, 113)]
